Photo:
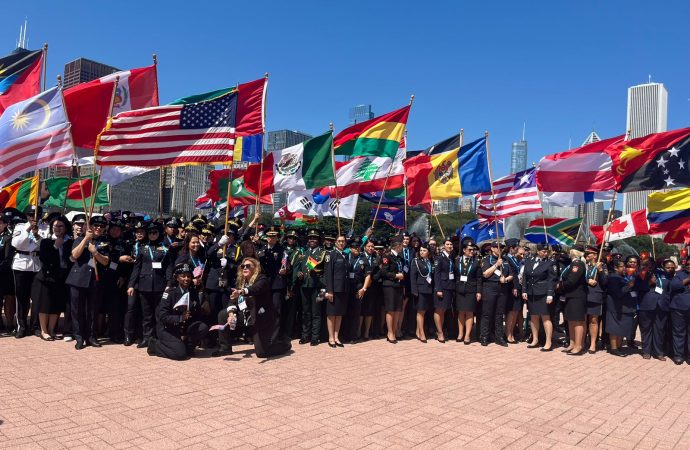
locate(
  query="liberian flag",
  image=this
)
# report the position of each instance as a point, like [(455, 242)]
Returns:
[(88, 104), (308, 165), (584, 169)]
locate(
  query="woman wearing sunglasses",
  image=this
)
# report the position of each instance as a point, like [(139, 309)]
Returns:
[(253, 292)]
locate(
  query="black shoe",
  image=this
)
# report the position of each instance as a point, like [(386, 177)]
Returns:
[(580, 353), (660, 358), (632, 345), (677, 361), (144, 343), (512, 342), (332, 345), (314, 343), (484, 342), (93, 342), (37, 332), (546, 349), (467, 342), (128, 342), (339, 344), (533, 345), (617, 352), (502, 343), (303, 341), (458, 340), (394, 341), (21, 332), (442, 341), (117, 341), (222, 352), (365, 339), (151, 348), (79, 344)]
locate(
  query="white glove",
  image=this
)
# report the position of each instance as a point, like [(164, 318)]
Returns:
[(223, 240)]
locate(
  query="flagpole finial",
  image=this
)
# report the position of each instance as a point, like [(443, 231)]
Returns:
[(265, 74), (330, 125), (486, 133), (59, 80), (45, 46), (155, 59), (411, 99)]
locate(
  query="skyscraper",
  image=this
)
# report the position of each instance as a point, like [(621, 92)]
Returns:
[(278, 140), (518, 154), (647, 114), (82, 70), (360, 113)]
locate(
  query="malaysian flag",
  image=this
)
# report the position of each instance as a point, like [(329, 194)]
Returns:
[(191, 133), (34, 134), (515, 194)]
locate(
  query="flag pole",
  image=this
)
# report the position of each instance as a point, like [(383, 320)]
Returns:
[(94, 188), (385, 183), (584, 217), (75, 157), (491, 182), (433, 214), (335, 176), (462, 141), (263, 152), (37, 173), (404, 185), (651, 238), (606, 226)]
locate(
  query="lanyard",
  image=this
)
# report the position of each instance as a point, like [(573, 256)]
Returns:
[(592, 272), (136, 250), (406, 255), (450, 261), (565, 271), (428, 267), (462, 265), (659, 276), (151, 253), (195, 263), (356, 262)]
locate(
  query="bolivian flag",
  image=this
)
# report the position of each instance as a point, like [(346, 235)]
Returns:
[(379, 136), (20, 195), (669, 211), (446, 171)]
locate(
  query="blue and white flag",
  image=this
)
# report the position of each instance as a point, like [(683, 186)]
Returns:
[(576, 198), (481, 231), (394, 217)]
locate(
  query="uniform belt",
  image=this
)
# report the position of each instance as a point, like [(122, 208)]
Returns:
[(27, 253)]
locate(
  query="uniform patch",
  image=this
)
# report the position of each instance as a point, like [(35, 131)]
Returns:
[(328, 258), (385, 260), (575, 268)]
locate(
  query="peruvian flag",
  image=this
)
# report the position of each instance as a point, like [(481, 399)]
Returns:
[(88, 104), (629, 225)]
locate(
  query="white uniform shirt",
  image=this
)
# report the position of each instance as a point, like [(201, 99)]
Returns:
[(24, 241)]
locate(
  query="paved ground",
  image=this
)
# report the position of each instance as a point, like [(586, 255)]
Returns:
[(372, 395)]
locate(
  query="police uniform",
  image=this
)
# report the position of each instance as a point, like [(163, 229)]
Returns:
[(680, 316), (290, 301), (149, 280), (538, 282), (653, 313), (494, 297), (337, 273), (468, 282), (373, 295), (86, 288), (444, 281), (274, 260), (171, 326), (358, 271), (574, 289), (391, 265), (312, 285), (596, 295), (422, 283), (6, 277), (25, 265), (115, 282)]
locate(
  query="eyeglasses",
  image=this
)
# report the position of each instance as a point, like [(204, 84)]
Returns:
[(99, 225), (247, 266)]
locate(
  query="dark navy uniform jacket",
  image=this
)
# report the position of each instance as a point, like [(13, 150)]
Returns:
[(444, 273), (470, 269), (82, 274), (659, 294), (337, 272), (390, 266), (422, 276), (146, 278), (539, 277), (680, 294)]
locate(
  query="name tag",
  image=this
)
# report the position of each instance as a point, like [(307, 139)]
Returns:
[(633, 294), (428, 279), (498, 273), (157, 265), (113, 266), (352, 275), (451, 276), (463, 278), (658, 290), (223, 262), (241, 304), (406, 269), (561, 298)]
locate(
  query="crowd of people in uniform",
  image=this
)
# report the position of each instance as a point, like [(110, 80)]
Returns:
[(171, 286)]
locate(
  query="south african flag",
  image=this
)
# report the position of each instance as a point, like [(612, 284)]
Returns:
[(559, 231)]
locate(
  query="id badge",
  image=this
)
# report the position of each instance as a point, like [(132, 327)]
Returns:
[(352, 275), (633, 294), (113, 266), (451, 276), (223, 262), (498, 273), (658, 290), (562, 299), (157, 265), (241, 304), (428, 279), (406, 269), (463, 278)]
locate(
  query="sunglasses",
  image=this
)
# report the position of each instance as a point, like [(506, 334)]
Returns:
[(99, 225), (247, 266)]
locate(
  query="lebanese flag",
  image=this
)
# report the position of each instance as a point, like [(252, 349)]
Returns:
[(88, 104), (26, 85), (364, 174), (584, 169), (629, 225)]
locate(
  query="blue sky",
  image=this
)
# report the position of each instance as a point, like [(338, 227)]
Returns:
[(562, 67)]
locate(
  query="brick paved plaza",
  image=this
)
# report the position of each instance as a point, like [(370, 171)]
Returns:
[(370, 395)]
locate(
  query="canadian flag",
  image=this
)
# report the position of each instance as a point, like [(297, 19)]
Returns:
[(629, 225)]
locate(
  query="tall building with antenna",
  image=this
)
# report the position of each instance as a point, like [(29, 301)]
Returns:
[(647, 114), (518, 154)]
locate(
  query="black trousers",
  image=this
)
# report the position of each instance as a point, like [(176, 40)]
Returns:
[(85, 304), (149, 301), (67, 328), (266, 344), (132, 321), (116, 305), (680, 321), (22, 287), (312, 312), (288, 313), (653, 330), (170, 346), (494, 298)]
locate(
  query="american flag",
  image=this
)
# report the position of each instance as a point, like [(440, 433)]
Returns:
[(515, 194), (34, 134), (201, 133)]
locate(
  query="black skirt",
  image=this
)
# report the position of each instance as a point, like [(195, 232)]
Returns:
[(465, 302), (444, 302), (369, 301), (594, 309), (51, 296), (423, 302), (618, 323), (537, 305), (392, 298), (514, 303), (338, 307), (575, 309)]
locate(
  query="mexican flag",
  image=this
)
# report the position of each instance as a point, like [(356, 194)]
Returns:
[(308, 165), (20, 195), (218, 190), (60, 187)]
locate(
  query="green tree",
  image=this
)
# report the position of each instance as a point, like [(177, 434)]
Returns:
[(644, 244)]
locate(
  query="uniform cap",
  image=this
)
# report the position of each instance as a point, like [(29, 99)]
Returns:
[(183, 268)]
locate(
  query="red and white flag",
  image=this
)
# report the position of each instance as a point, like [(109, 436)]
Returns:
[(584, 169), (88, 104), (514, 194), (629, 225)]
